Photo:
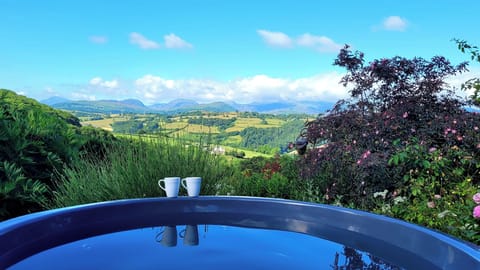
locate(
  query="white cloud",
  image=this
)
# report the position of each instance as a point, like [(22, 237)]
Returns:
[(143, 42), (98, 39), (173, 41), (458, 80), (97, 81), (395, 23), (323, 87), (276, 39), (319, 43)]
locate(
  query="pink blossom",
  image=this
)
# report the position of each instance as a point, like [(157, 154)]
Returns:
[(459, 138), (437, 196), (476, 212), (475, 128), (432, 204), (432, 149), (405, 114), (454, 131), (454, 121), (359, 162), (476, 198), (366, 154)]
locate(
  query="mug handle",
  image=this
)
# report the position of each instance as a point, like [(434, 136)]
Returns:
[(184, 183), (159, 235), (160, 185), (182, 233)]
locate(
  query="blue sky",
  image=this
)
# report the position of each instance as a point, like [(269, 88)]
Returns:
[(211, 50)]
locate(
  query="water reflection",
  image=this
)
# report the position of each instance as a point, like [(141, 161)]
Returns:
[(167, 235), (354, 259), (208, 246)]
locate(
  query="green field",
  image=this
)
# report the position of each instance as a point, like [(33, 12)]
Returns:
[(187, 127)]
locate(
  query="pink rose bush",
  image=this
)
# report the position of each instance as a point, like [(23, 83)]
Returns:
[(476, 198), (476, 209), (476, 212)]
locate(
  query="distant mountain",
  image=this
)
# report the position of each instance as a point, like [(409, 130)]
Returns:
[(104, 106), (187, 105), (174, 105), (133, 102), (54, 100), (308, 107)]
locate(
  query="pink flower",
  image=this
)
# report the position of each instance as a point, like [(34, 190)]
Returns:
[(476, 198), (405, 114), (475, 128), (366, 154), (437, 196), (476, 212), (459, 138), (359, 162), (454, 131), (432, 205), (432, 149)]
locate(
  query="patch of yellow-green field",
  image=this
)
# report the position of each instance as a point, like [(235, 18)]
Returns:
[(243, 123), (233, 140), (248, 153), (105, 124), (272, 122), (191, 128)]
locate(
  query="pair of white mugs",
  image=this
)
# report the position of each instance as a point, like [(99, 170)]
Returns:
[(171, 185)]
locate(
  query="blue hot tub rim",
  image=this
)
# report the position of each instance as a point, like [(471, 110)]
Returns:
[(401, 243)]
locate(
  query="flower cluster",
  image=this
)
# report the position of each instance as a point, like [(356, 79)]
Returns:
[(476, 209)]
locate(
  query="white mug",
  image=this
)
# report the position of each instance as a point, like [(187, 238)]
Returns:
[(172, 184), (192, 185), (190, 235)]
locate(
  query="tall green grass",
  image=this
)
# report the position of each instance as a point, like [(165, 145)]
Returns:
[(132, 168)]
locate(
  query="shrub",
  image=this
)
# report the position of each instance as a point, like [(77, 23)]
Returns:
[(437, 190), (36, 142), (132, 168), (392, 100)]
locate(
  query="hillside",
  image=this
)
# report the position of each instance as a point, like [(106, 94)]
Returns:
[(36, 143)]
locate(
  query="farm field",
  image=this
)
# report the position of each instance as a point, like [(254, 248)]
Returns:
[(254, 134)]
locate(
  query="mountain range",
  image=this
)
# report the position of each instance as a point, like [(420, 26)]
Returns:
[(185, 105)]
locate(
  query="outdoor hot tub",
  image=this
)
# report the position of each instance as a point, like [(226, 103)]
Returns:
[(224, 233)]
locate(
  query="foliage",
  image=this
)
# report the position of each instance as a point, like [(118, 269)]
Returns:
[(274, 138), (473, 83), (266, 177), (36, 142), (392, 100), (437, 191), (132, 168), (128, 127)]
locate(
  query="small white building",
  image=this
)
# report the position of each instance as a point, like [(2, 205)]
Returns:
[(218, 150)]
